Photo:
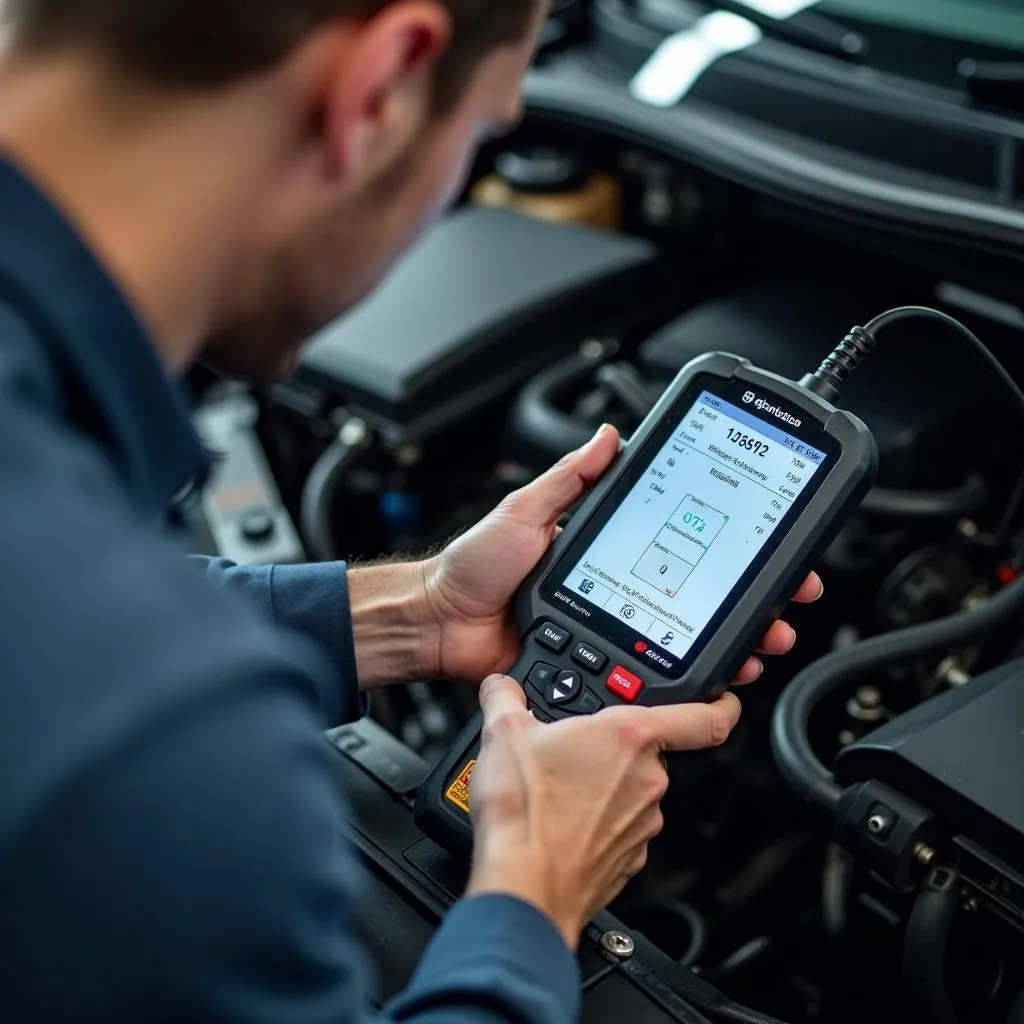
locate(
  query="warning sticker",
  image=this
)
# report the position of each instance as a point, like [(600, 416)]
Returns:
[(458, 791)]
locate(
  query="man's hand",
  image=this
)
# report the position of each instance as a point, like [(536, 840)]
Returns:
[(563, 812), (469, 586)]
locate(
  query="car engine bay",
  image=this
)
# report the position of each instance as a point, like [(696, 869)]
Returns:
[(579, 273)]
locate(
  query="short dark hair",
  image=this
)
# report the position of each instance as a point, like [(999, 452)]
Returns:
[(191, 44)]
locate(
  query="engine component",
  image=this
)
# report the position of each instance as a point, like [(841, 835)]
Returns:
[(924, 949), (242, 511), (551, 184), (486, 300), (934, 790), (930, 583), (325, 481), (865, 711), (961, 755), (790, 740)]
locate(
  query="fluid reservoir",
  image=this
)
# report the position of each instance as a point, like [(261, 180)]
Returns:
[(553, 185)]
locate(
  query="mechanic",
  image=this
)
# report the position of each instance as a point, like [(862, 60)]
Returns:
[(218, 179)]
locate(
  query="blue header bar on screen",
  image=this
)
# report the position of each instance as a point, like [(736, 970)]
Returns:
[(754, 423)]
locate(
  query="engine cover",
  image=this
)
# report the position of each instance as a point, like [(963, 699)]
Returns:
[(486, 299), (961, 755)]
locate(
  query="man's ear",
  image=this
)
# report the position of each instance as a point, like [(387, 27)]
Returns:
[(380, 92)]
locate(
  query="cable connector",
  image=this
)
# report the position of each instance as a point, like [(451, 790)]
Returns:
[(826, 381), (835, 371)]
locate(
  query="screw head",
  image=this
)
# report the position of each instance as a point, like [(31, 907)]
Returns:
[(618, 944), (924, 854), (878, 824), (869, 697), (354, 433), (967, 528)]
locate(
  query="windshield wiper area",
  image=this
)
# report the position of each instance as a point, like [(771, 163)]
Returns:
[(805, 29), (994, 83)]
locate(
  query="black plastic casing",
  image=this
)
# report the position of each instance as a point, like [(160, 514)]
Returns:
[(758, 599)]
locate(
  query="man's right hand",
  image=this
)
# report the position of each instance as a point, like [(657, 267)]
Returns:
[(563, 812)]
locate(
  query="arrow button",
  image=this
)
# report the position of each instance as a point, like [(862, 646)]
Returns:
[(565, 687)]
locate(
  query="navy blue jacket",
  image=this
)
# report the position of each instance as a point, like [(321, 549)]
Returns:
[(171, 834)]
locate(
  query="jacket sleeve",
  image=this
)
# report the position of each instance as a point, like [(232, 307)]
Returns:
[(205, 875), (495, 959), (173, 828), (311, 600)]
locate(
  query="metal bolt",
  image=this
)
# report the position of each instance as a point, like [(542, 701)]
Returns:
[(952, 672), (595, 350), (869, 697), (924, 855), (967, 528), (971, 905), (866, 705), (355, 433), (878, 824), (618, 944)]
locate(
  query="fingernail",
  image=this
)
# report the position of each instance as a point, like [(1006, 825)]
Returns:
[(821, 590), (601, 431), (791, 642)]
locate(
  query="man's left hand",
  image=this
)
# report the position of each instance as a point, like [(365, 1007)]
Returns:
[(470, 585)]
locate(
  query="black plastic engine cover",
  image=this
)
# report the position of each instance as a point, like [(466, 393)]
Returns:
[(961, 755), (486, 299), (915, 392)]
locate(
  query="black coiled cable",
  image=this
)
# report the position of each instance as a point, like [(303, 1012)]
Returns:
[(851, 352)]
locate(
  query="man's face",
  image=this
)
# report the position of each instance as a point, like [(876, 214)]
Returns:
[(325, 256)]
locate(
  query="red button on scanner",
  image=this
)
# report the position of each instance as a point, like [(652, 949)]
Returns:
[(624, 684)]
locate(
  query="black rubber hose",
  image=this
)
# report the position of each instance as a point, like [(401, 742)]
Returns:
[(789, 730), (320, 498), (924, 947), (645, 917), (707, 999), (536, 418), (698, 931), (968, 499), (628, 386)]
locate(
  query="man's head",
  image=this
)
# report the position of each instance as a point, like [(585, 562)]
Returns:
[(373, 112)]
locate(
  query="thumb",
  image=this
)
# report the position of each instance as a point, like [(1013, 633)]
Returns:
[(501, 696), (543, 502), (695, 726)]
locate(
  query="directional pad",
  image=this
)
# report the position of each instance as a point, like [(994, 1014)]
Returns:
[(541, 675), (565, 687)]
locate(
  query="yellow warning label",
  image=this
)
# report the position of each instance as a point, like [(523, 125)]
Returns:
[(458, 791)]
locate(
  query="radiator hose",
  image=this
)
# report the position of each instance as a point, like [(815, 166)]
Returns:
[(791, 744)]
